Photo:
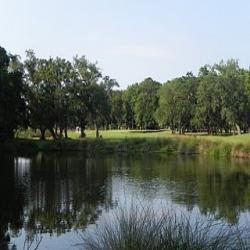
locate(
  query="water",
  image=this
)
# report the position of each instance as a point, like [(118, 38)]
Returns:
[(50, 200)]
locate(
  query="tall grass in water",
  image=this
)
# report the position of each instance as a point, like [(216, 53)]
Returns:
[(144, 229)]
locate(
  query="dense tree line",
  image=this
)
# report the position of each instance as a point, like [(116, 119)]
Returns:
[(56, 95), (216, 101)]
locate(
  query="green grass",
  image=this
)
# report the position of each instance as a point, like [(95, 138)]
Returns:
[(234, 139), (122, 134), (140, 141)]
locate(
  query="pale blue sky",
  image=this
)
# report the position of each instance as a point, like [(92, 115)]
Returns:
[(130, 39)]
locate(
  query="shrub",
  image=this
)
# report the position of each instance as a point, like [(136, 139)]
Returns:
[(141, 228)]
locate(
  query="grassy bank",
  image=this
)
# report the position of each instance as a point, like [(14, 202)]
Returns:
[(144, 228), (91, 145), (124, 141)]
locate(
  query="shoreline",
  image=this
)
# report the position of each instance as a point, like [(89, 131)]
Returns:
[(183, 146)]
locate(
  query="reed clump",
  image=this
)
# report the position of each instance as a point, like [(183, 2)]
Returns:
[(144, 229)]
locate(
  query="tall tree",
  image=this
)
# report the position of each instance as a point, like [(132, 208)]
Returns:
[(99, 106), (42, 96), (87, 75), (12, 102), (232, 93), (177, 100), (147, 100), (221, 98), (109, 84), (116, 119), (129, 100)]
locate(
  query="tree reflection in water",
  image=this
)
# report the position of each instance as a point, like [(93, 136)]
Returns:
[(51, 193), (58, 193), (218, 187)]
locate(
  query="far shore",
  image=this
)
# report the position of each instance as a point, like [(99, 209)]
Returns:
[(135, 141)]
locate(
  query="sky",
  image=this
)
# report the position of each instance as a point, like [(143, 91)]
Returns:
[(130, 39)]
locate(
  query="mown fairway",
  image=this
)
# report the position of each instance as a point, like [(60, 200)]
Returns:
[(122, 134)]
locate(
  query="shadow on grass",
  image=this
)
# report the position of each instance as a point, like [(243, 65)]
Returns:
[(146, 131)]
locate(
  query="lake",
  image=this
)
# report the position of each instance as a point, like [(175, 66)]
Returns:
[(50, 200)]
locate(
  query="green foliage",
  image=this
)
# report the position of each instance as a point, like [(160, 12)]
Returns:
[(58, 95), (129, 102), (177, 103), (62, 94), (116, 110), (84, 88), (12, 102), (221, 99), (217, 101), (146, 104)]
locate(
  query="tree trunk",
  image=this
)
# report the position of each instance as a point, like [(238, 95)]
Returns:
[(42, 133), (66, 133), (97, 131), (179, 127), (53, 133), (65, 129), (82, 129), (56, 130), (238, 129), (61, 133)]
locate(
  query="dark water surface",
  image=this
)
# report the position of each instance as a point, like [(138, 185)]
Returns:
[(51, 199)]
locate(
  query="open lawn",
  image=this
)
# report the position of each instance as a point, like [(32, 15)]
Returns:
[(122, 134)]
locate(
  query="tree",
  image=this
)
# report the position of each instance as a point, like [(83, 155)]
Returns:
[(99, 106), (62, 74), (221, 98), (233, 94), (177, 100), (147, 100), (209, 104), (49, 100), (42, 93), (115, 101), (109, 84), (116, 120), (165, 114), (12, 102), (84, 90), (129, 100), (56, 94)]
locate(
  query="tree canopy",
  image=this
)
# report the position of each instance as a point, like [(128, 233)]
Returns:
[(12, 92), (56, 95)]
